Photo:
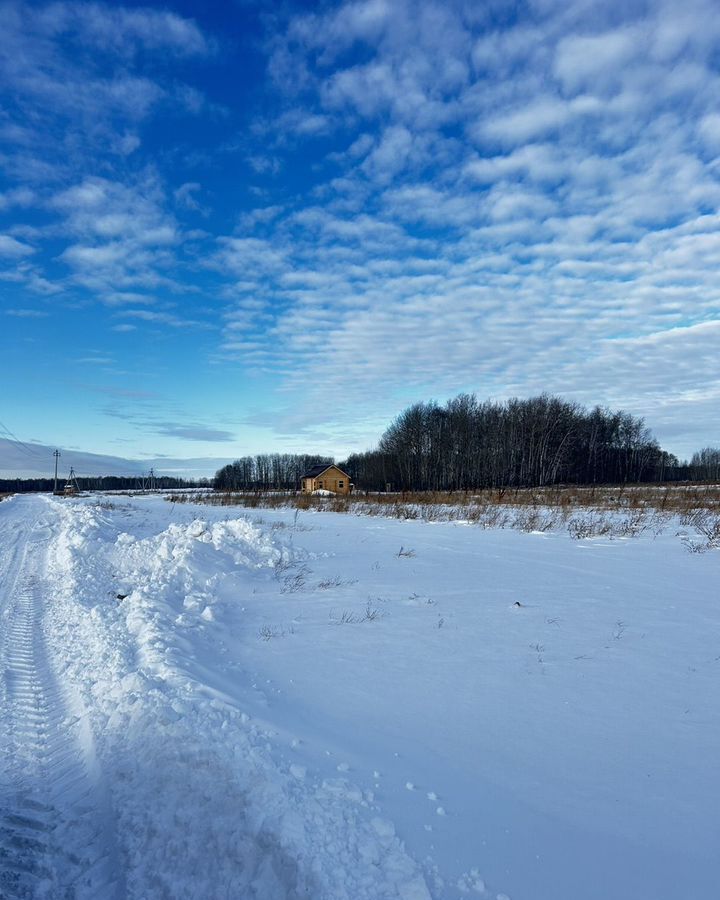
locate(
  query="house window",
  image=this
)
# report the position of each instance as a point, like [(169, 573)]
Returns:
[(320, 484), (341, 484)]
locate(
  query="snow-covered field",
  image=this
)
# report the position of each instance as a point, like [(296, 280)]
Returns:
[(205, 702)]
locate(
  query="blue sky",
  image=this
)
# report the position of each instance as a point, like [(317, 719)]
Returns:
[(272, 226)]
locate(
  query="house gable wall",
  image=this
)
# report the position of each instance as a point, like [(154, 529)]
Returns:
[(332, 479)]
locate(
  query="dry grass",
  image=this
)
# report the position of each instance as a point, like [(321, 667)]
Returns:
[(678, 499), (584, 512)]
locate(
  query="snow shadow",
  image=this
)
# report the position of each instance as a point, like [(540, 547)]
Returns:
[(192, 822)]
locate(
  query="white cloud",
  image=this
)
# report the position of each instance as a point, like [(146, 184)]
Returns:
[(264, 164), (496, 53), (105, 210), (537, 162), (423, 203), (121, 30), (125, 239), (95, 257), (591, 61), (302, 124), (69, 69), (249, 256), (185, 196), (26, 313), (10, 247), (162, 318), (259, 216), (709, 131), (17, 197), (542, 115), (691, 28), (390, 155)]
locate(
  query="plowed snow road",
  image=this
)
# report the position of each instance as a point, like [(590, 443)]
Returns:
[(55, 834)]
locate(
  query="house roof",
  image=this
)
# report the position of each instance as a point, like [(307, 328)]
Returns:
[(315, 471)]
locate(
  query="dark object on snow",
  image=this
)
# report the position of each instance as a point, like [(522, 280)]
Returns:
[(122, 596)]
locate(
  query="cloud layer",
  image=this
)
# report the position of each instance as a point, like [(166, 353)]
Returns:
[(401, 200)]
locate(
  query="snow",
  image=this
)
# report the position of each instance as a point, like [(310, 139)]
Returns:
[(284, 705)]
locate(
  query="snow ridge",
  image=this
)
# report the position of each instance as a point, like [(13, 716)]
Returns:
[(201, 806)]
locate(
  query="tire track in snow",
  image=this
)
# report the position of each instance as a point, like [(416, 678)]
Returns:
[(56, 838)]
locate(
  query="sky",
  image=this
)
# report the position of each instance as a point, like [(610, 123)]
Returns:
[(239, 227)]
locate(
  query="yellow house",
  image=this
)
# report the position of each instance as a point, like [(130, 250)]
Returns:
[(325, 478)]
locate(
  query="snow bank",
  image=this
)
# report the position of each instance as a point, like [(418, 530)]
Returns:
[(203, 807)]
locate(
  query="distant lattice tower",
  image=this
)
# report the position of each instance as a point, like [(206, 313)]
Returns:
[(71, 486)]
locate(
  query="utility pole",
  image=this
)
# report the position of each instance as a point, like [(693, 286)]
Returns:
[(56, 454), (152, 479)]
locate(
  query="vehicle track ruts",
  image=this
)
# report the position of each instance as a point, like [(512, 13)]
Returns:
[(56, 835)]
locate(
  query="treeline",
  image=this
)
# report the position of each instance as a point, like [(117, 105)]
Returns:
[(705, 465), (545, 440), (468, 444), (100, 483), (266, 471)]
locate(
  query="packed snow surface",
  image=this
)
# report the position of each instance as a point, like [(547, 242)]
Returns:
[(203, 702)]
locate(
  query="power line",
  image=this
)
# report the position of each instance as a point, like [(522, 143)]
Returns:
[(36, 453)]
